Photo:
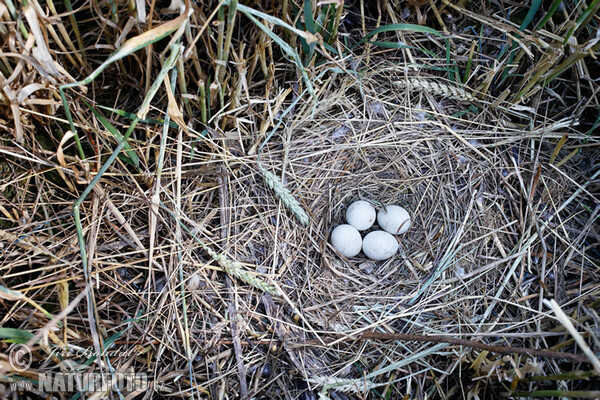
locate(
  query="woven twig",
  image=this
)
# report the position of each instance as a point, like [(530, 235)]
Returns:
[(429, 86), (284, 194)]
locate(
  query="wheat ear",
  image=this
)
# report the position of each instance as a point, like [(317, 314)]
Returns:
[(235, 268), (430, 86), (339, 384), (284, 194)]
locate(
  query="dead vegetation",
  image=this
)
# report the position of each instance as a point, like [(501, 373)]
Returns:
[(171, 174)]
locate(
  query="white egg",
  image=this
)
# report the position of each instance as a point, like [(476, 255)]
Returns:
[(379, 245), (394, 219), (346, 239), (361, 215)]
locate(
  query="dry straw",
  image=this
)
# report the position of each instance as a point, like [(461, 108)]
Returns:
[(494, 191), (231, 267)]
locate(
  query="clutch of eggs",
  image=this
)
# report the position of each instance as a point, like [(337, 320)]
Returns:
[(377, 245)]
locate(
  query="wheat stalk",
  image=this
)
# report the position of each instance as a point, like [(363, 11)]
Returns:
[(429, 86), (284, 194)]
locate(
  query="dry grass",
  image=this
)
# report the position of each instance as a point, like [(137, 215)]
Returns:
[(207, 261)]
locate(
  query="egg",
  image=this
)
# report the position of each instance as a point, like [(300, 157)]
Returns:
[(361, 215), (379, 245), (394, 219), (346, 239)]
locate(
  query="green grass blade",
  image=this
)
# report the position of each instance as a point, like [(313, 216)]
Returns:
[(309, 21), (129, 47), (325, 21), (569, 375), (549, 14), (582, 21), (309, 37), (169, 63), (535, 6), (569, 62), (132, 158), (452, 69), (309, 24), (167, 66), (469, 63), (400, 27), (570, 394), (132, 116), (332, 49), (13, 335)]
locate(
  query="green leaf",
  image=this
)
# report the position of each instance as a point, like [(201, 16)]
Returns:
[(132, 116), (535, 5), (309, 21), (133, 158), (14, 335), (400, 27)]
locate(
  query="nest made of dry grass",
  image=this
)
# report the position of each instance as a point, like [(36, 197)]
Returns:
[(497, 227)]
